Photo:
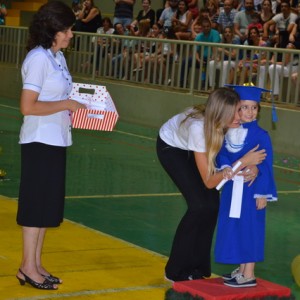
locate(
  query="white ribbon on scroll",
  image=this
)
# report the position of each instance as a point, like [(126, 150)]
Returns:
[(236, 198), (235, 167)]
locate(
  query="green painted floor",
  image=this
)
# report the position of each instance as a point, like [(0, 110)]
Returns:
[(116, 185)]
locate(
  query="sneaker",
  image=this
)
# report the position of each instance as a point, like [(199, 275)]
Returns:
[(240, 281), (231, 275)]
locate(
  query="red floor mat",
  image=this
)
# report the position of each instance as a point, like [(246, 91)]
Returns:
[(214, 289)]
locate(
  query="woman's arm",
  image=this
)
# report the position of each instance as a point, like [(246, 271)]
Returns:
[(30, 105), (91, 15), (253, 157)]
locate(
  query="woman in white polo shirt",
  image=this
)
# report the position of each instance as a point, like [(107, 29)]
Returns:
[(44, 136)]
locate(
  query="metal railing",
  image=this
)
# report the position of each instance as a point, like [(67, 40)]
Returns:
[(169, 63)]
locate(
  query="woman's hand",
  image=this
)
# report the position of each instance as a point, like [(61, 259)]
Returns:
[(74, 105), (261, 203), (253, 157)]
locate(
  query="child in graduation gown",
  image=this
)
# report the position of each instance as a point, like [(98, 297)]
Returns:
[(242, 215)]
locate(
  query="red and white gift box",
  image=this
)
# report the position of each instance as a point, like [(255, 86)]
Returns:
[(101, 113)]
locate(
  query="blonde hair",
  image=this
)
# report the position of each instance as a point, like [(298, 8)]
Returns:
[(219, 112)]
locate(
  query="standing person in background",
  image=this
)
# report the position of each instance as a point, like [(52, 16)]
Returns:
[(123, 12), (3, 13), (44, 136), (89, 18), (187, 146), (242, 217)]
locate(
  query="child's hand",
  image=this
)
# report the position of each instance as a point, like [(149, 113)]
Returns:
[(261, 203)]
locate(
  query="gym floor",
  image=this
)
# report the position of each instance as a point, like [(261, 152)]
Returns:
[(121, 214)]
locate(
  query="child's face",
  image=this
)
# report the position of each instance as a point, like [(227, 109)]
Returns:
[(248, 111)]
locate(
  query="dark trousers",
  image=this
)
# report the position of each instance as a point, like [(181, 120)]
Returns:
[(191, 247)]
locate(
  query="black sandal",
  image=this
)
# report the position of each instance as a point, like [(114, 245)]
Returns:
[(46, 285), (52, 279)]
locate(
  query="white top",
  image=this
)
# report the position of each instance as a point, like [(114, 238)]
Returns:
[(48, 76), (186, 136), (282, 23)]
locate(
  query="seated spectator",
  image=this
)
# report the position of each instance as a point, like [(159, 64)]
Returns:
[(145, 14), (76, 8), (152, 49), (284, 22), (281, 65), (193, 8), (265, 16), (250, 62), (141, 45), (116, 51), (207, 35), (103, 46), (160, 10), (266, 13), (256, 22), (165, 19), (224, 60), (89, 18), (3, 13), (241, 21), (213, 9), (294, 37), (226, 17), (165, 53), (196, 28), (182, 21), (294, 78), (123, 13)]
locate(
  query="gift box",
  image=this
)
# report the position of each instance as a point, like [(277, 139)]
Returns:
[(101, 113)]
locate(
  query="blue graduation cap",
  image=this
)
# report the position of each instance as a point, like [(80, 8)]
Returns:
[(251, 92), (248, 92)]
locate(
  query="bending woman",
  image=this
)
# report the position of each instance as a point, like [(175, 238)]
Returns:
[(187, 146)]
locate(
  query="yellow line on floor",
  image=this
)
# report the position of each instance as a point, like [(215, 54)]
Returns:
[(93, 265)]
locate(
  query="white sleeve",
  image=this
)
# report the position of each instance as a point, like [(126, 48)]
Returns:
[(196, 140), (34, 71)]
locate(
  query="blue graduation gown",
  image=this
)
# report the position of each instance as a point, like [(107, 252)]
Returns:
[(241, 240)]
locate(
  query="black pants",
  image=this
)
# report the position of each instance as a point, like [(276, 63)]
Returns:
[(191, 247)]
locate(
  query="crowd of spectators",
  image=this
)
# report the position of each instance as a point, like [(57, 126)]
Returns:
[(258, 23)]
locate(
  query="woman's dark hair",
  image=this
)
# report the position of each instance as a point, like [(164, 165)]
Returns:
[(250, 41), (108, 20), (51, 18), (186, 8)]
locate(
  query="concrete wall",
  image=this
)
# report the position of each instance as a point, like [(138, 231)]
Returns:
[(151, 107)]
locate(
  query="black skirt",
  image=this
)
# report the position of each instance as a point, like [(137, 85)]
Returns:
[(42, 185)]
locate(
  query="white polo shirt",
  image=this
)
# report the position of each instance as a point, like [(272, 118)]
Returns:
[(48, 76), (186, 136)]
